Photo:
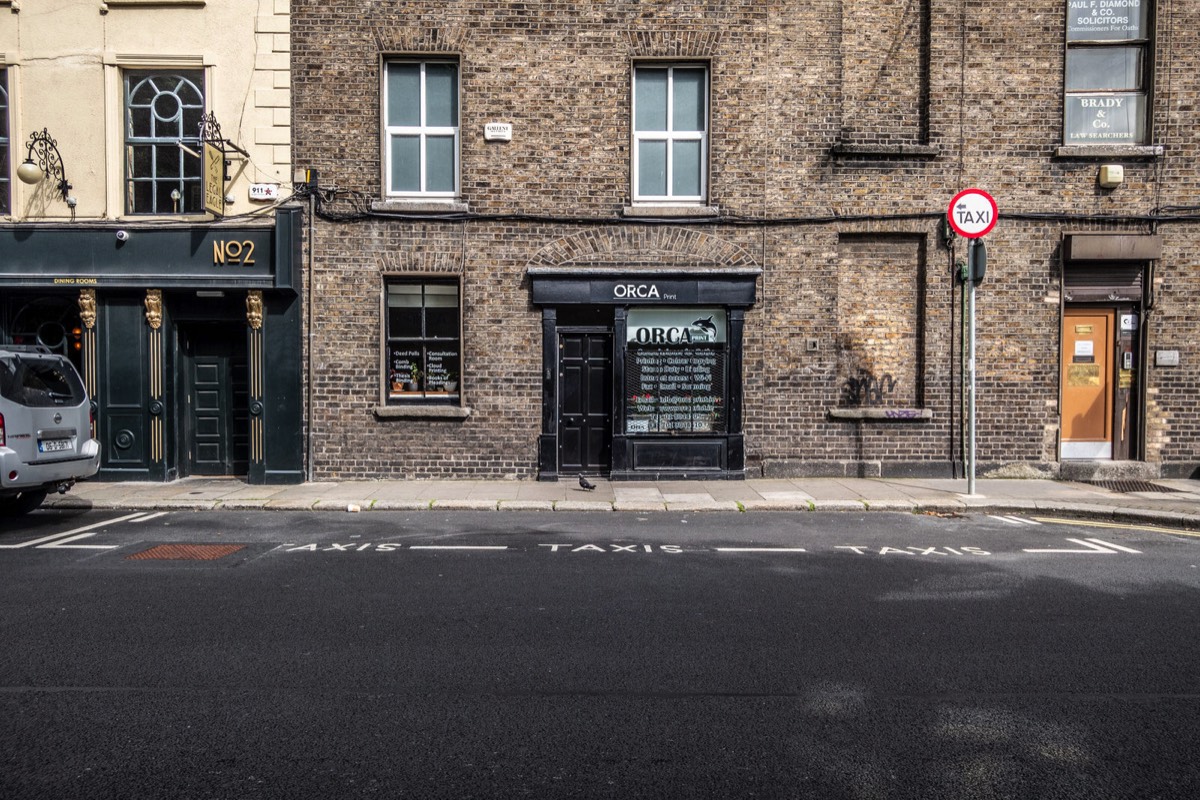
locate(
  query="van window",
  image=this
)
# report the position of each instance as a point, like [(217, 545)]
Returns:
[(42, 383)]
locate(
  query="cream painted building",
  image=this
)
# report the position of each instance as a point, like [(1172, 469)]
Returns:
[(150, 236), (68, 65)]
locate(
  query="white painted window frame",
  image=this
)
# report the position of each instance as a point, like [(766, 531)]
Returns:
[(422, 131), (670, 136)]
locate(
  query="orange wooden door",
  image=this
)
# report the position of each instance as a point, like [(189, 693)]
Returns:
[(1087, 398)]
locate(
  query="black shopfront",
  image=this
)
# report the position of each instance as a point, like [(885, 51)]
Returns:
[(642, 372), (188, 338)]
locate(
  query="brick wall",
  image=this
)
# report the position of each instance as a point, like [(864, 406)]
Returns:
[(791, 82)]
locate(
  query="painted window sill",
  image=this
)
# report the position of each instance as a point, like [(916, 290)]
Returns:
[(872, 414), (422, 412), (1127, 151)]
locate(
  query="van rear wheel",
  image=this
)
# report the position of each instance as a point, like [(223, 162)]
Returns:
[(22, 503)]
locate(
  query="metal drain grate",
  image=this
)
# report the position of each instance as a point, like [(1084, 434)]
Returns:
[(186, 552), (1131, 485)]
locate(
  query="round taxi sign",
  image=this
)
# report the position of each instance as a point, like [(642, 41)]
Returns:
[(972, 213)]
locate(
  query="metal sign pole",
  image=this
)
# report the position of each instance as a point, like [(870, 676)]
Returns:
[(971, 256), (972, 214)]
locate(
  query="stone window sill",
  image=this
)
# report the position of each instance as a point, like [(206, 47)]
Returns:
[(647, 210), (422, 412), (429, 207), (913, 151), (106, 4), (1104, 151), (871, 414)]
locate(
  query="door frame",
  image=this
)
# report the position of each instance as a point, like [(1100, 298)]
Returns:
[(1125, 398)]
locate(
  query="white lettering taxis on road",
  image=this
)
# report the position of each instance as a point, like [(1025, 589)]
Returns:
[(1084, 546), (614, 548), (393, 547), (864, 550)]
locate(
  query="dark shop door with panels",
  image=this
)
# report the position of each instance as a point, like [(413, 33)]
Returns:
[(216, 425), (585, 401)]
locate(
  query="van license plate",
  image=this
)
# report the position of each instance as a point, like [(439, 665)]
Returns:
[(54, 445)]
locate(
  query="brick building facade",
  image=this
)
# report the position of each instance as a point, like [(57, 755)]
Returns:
[(708, 239)]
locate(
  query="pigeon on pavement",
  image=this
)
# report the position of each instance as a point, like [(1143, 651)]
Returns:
[(584, 483)]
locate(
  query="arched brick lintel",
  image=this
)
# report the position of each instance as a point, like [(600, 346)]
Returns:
[(643, 248)]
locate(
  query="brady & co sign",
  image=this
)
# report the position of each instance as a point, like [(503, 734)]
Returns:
[(1106, 119)]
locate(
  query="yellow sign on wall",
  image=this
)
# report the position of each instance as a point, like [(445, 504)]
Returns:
[(214, 180)]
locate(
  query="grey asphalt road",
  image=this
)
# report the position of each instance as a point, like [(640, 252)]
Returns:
[(605, 655)]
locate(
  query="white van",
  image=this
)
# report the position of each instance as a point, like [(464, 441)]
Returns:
[(46, 439)]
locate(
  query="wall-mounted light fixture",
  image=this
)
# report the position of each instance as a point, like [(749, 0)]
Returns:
[(49, 163), (1111, 176)]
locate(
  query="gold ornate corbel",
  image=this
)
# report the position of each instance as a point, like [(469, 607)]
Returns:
[(87, 308), (254, 309), (154, 308)]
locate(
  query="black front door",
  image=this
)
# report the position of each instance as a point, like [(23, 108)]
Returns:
[(216, 422), (585, 401)]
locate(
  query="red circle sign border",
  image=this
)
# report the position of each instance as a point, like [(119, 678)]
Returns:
[(985, 231)]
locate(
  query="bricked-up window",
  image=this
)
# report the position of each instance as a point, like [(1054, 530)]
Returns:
[(1108, 68), (4, 185), (424, 342), (421, 118), (163, 109), (670, 133)]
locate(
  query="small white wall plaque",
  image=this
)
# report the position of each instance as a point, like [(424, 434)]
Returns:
[(264, 191), (497, 132), (1166, 358)]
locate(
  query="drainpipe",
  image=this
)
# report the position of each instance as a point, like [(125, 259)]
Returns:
[(308, 286)]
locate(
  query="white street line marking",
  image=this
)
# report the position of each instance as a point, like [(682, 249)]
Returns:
[(64, 534), (760, 550), (1015, 520), (456, 547), (62, 543), (1090, 548), (149, 517), (1114, 546), (1119, 526)]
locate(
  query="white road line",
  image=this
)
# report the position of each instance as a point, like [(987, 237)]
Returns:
[(1090, 548), (149, 517), (1119, 526), (62, 543), (456, 547), (760, 550), (1015, 520), (64, 534), (1114, 546)]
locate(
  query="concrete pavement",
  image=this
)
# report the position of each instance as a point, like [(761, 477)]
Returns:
[(1174, 502)]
